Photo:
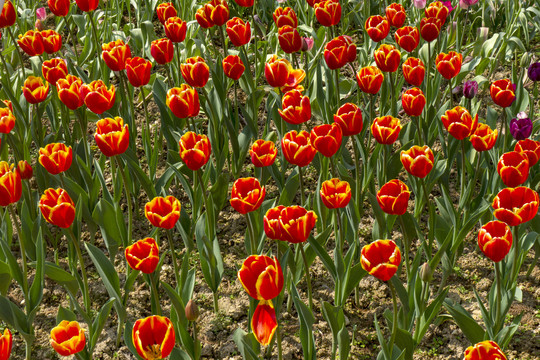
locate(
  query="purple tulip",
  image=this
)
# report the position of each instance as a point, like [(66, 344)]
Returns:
[(534, 71), (521, 126), (448, 5), (470, 89)]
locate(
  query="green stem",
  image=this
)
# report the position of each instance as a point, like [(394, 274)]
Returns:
[(334, 172), (222, 35), (24, 285), (128, 201), (302, 193), (428, 204), (177, 48), (406, 245), (463, 169), (517, 250), (155, 293), (393, 108), (394, 317), (337, 88), (21, 77), (173, 257), (498, 321), (73, 39), (146, 115), (94, 30), (308, 276), (77, 246)]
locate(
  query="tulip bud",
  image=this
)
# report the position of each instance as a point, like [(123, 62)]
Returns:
[(39, 25), (525, 60), (425, 273), (534, 71), (470, 89), (192, 310), (41, 13), (307, 44), (521, 126)]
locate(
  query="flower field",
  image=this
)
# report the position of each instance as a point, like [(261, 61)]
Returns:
[(261, 179)]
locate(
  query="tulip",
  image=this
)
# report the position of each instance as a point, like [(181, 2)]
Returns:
[(503, 92), (31, 43), (349, 119), (195, 71), (239, 31), (271, 224), (483, 138), (263, 322), (521, 126), (203, 19), (138, 71), (247, 195), (163, 212), (459, 123), (8, 16), (430, 28), (153, 337), (183, 101), (307, 44), (54, 70), (285, 16), (10, 184), (162, 51), (57, 207), (464, 4), (8, 103), (495, 240), (296, 108), (387, 58), (175, 29), (407, 38), (513, 167), (192, 310), (6, 342), (115, 54), (261, 277), (419, 4), (485, 350), (297, 148), (87, 5), (263, 153), (112, 136), (7, 121), (393, 197), (97, 97), (56, 157), (34, 90), (52, 41), (529, 148), (385, 129), (277, 71), (68, 338), (217, 11), (395, 13), (245, 3), (289, 39), (377, 27), (59, 7), (534, 71), (165, 11), (437, 10), (25, 170), (328, 12), (339, 51), (413, 101), (426, 274), (335, 193), (516, 206), (470, 89), (326, 138), (143, 255), (69, 91), (449, 65), (195, 150), (296, 76), (296, 224), (381, 259), (418, 161), (233, 67), (370, 79)]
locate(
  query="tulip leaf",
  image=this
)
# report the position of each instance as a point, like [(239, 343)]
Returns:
[(469, 327), (65, 314), (36, 290), (5, 278), (11, 314), (306, 326), (325, 258), (247, 344), (110, 219), (99, 323), (16, 271), (62, 277)]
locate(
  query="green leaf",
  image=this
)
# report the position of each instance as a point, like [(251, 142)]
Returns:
[(62, 277), (36, 290), (469, 327), (99, 323), (65, 314)]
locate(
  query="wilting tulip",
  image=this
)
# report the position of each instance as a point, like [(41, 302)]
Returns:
[(297, 148), (153, 337), (31, 43), (115, 54), (534, 71), (7, 121), (516, 206), (529, 148), (289, 39), (381, 259), (495, 240), (328, 12), (112, 136), (503, 92), (245, 3), (370, 79), (195, 150), (143, 255), (163, 212), (263, 153), (296, 224), (513, 167), (162, 51), (165, 11), (138, 71), (276, 71), (430, 28), (261, 277), (247, 195), (56, 157), (407, 38), (326, 138), (68, 338), (97, 97), (285, 16), (34, 90), (54, 69), (233, 67), (217, 11), (335, 193), (87, 5), (413, 101), (25, 170), (387, 58), (203, 19), (485, 350), (8, 16), (437, 10), (418, 161), (59, 7), (6, 342), (521, 126), (57, 207), (395, 13), (349, 118), (296, 108), (377, 27), (385, 129), (414, 71), (239, 31), (69, 91), (339, 51), (393, 197), (52, 41), (470, 89), (10, 184), (195, 71), (459, 123), (183, 101), (449, 65), (484, 137)]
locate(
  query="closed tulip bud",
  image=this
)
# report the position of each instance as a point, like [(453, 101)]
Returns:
[(115, 54), (163, 212), (153, 337), (162, 51), (426, 274), (418, 161), (54, 70), (34, 90), (143, 255), (307, 44), (195, 150), (59, 7), (262, 277), (195, 71), (495, 240), (7, 121), (289, 39), (38, 25), (203, 19), (138, 71), (534, 71), (485, 350), (525, 60), (470, 89), (57, 207), (370, 79), (395, 13), (449, 65), (10, 184), (31, 43), (8, 16), (326, 138), (217, 11), (297, 148), (285, 16), (192, 310), (349, 118), (276, 71), (381, 259), (6, 343), (69, 91), (296, 224), (183, 101), (233, 67), (387, 58), (385, 129), (245, 3), (529, 148), (247, 195), (296, 108), (97, 97), (377, 27), (516, 206), (430, 27), (339, 51), (165, 11), (175, 29), (112, 136), (407, 38), (513, 167), (263, 153), (413, 101), (56, 157), (521, 126), (503, 92), (239, 31), (459, 123), (393, 197), (68, 338), (87, 5), (437, 10), (335, 193), (483, 138), (52, 41), (328, 12), (25, 170)]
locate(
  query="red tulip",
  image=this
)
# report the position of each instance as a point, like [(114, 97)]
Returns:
[(437, 10), (217, 11), (387, 58), (414, 71), (165, 11), (277, 71), (285, 16), (10, 184), (459, 123), (485, 350), (87, 5), (296, 108), (54, 69), (8, 16), (395, 13), (328, 12), (386, 129), (370, 79), (162, 51), (143, 255), (349, 119), (527, 147), (326, 138), (153, 337), (413, 101), (6, 342), (57, 207), (449, 65), (138, 71), (296, 224), (25, 170), (52, 41), (381, 259), (377, 28), (430, 28), (513, 167), (263, 322), (239, 31), (289, 39), (56, 157), (418, 161), (7, 121), (272, 226), (112, 136), (261, 277), (263, 153), (59, 7), (69, 91), (203, 18), (34, 90), (245, 3), (31, 43), (195, 150), (483, 138), (335, 193), (115, 54), (163, 212), (195, 71), (339, 51), (183, 101), (393, 197), (247, 195), (297, 148), (407, 38), (233, 67), (516, 206), (68, 338), (503, 92), (97, 97), (495, 240)]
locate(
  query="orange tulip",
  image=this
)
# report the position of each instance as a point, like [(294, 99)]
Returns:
[(115, 54), (239, 31), (183, 101), (485, 350), (6, 342), (326, 138), (162, 51), (69, 91), (513, 167), (195, 150), (377, 27), (449, 65), (285, 16), (31, 43), (233, 67), (430, 28), (349, 119), (387, 58), (335, 193), (34, 90), (8, 16), (495, 240), (296, 76), (296, 224), (163, 212), (407, 38), (385, 129), (153, 337), (483, 138), (112, 136), (503, 92), (395, 13), (195, 71), (381, 259), (527, 147), (271, 224), (393, 197), (297, 148), (370, 79), (261, 277), (97, 97), (56, 157), (175, 29), (459, 122), (54, 70), (10, 184), (165, 11), (414, 71), (143, 255), (418, 161), (7, 121), (138, 71), (247, 195), (68, 338), (263, 153), (413, 101), (328, 12), (57, 207), (296, 108)]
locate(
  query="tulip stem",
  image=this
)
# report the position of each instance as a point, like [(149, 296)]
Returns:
[(302, 193), (73, 40), (21, 77), (406, 245), (173, 256), (393, 108), (517, 250), (463, 169), (146, 115), (308, 276), (334, 173), (128, 201), (336, 72), (253, 244), (94, 30), (177, 49), (450, 97), (61, 175), (155, 294), (23, 252), (255, 32), (498, 321), (394, 317), (428, 205), (86, 294)]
